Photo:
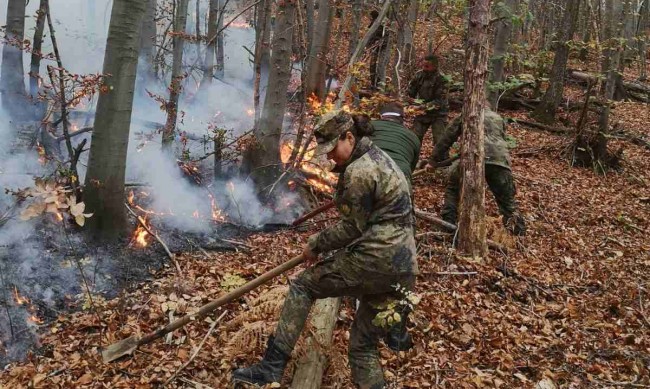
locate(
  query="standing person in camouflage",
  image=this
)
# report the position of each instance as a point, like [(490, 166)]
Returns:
[(498, 172), (376, 252), (400, 143), (433, 87)]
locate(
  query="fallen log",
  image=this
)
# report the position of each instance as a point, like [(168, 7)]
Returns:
[(309, 373), (540, 126), (452, 228), (586, 78)]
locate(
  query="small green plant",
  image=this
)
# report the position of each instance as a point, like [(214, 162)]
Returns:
[(389, 314)]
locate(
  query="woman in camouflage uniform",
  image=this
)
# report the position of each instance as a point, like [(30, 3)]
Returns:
[(376, 252)]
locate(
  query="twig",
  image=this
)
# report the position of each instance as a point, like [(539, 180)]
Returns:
[(143, 224), (236, 243), (196, 352), (454, 273), (79, 132), (197, 385)]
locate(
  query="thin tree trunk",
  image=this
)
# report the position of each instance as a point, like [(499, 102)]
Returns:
[(501, 47), (180, 21), (406, 36), (35, 67), (472, 239), (220, 48), (264, 157), (262, 56), (317, 59), (197, 15), (383, 62), (643, 35), (12, 74), (309, 22), (545, 111), (104, 189), (357, 6), (210, 52), (615, 53)]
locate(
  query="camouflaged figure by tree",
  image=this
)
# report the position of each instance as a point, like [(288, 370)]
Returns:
[(376, 252), (498, 173), (433, 88)]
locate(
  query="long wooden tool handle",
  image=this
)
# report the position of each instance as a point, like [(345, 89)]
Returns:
[(211, 306), (313, 213)]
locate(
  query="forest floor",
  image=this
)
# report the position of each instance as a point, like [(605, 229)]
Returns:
[(568, 305)]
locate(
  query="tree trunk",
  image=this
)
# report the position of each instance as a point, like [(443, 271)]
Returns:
[(317, 59), (642, 34), (148, 38), (309, 373), (357, 6), (552, 99), (220, 48), (197, 16), (472, 238), (309, 21), (264, 156), (406, 36), (12, 75), (262, 56), (383, 61), (501, 47), (180, 21), (104, 190), (210, 52), (35, 66)]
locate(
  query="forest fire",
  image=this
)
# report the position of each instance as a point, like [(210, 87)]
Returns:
[(318, 177), (24, 301), (20, 300)]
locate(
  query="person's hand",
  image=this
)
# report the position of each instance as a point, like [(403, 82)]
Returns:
[(309, 256), (430, 166)]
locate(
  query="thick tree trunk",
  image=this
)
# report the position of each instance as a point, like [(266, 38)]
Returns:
[(211, 50), (12, 76), (317, 59), (309, 22), (148, 38), (35, 65), (552, 99), (472, 238), (264, 156), (309, 373), (501, 47), (383, 62), (180, 21), (104, 190)]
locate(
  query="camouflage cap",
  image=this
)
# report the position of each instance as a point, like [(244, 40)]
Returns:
[(329, 128)]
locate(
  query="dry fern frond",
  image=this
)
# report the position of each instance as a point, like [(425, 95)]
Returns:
[(249, 340), (274, 294), (268, 310)]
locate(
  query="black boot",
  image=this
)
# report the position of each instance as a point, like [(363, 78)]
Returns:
[(269, 370), (398, 338), (515, 223)]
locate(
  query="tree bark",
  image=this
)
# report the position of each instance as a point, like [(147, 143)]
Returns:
[(262, 56), (220, 48), (35, 65), (104, 189), (264, 156), (552, 99), (501, 47), (211, 50), (472, 238), (12, 75), (148, 38), (643, 35), (357, 6), (309, 373), (180, 21), (317, 59), (309, 22)]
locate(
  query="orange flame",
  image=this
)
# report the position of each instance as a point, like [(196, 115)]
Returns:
[(216, 212), (131, 197), (250, 112), (140, 234), (20, 300), (195, 214), (59, 216), (35, 319)]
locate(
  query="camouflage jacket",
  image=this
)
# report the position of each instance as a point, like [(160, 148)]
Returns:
[(376, 225), (432, 88), (496, 148)]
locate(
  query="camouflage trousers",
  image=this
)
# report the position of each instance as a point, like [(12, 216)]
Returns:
[(437, 123), (333, 277), (502, 185)]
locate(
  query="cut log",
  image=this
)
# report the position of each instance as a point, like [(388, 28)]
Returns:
[(540, 126), (309, 373), (585, 78)]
